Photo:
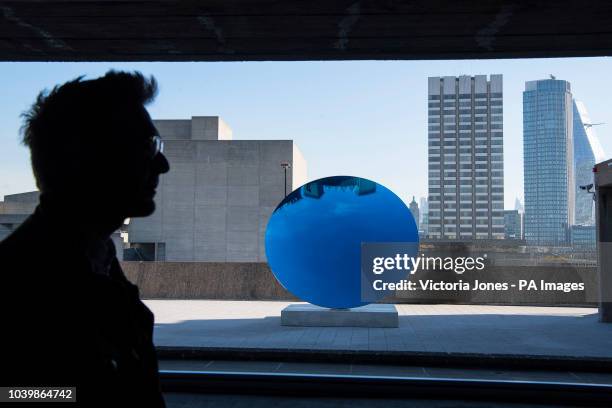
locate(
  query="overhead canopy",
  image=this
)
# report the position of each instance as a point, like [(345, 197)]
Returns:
[(223, 30)]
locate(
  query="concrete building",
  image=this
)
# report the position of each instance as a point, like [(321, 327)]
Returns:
[(587, 152), (215, 202), (466, 182), (15, 209), (512, 224), (548, 162)]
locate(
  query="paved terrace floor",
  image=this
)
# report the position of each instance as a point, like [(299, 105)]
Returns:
[(505, 330)]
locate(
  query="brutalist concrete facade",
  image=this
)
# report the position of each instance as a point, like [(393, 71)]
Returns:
[(215, 202), (15, 209)]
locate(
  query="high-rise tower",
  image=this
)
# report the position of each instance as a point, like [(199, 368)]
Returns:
[(548, 162), (587, 152), (414, 209), (466, 182)]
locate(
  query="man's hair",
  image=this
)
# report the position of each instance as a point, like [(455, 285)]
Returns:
[(63, 123)]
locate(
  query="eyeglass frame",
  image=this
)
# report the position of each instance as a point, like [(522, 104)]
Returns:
[(158, 145)]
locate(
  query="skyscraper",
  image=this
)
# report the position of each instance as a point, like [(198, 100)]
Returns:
[(423, 204), (423, 212), (518, 206), (466, 183), (512, 223), (548, 161), (414, 209), (587, 152)]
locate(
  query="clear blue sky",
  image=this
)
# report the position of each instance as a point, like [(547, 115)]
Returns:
[(366, 119)]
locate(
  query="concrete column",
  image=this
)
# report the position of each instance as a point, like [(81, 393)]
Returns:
[(603, 213)]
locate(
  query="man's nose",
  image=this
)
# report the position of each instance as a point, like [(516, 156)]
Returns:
[(161, 163)]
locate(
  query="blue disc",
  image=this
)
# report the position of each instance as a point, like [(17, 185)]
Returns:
[(314, 237)]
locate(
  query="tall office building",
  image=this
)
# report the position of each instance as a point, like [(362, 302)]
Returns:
[(423, 212), (414, 209), (466, 182), (512, 222), (587, 152), (548, 162), (424, 227), (518, 206), (423, 205)]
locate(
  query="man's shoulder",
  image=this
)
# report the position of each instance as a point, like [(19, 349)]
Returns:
[(28, 245), (26, 235)]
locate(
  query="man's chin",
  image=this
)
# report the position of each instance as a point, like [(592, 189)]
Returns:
[(143, 208)]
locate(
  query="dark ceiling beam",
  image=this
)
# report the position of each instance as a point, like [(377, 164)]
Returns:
[(301, 30)]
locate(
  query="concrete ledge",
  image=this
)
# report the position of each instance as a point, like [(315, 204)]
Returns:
[(394, 358), (375, 315)]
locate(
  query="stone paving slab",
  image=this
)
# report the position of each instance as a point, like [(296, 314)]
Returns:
[(386, 370), (496, 330)]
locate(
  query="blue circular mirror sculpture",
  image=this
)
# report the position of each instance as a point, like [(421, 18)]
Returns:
[(314, 237)]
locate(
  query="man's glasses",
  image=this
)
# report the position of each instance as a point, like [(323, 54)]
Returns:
[(157, 145)]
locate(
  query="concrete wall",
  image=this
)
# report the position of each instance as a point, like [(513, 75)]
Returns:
[(10, 222), (5, 231), (21, 203), (17, 207), (210, 280), (506, 261), (299, 174), (215, 202), (196, 128)]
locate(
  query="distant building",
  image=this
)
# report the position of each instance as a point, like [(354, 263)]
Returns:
[(423, 206), (548, 162), (466, 181), (587, 152), (518, 205), (414, 209), (215, 202), (423, 213), (583, 237), (15, 209), (512, 224), (424, 228)]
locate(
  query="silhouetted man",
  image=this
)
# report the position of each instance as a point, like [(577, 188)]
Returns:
[(69, 315)]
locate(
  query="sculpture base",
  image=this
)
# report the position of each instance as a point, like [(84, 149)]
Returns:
[(374, 315)]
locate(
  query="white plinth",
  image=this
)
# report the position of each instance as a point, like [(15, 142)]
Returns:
[(375, 315)]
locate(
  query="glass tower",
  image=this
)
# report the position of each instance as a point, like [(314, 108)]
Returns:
[(548, 162), (465, 139), (512, 221), (587, 152)]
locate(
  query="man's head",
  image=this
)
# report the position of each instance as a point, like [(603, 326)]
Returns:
[(94, 139)]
